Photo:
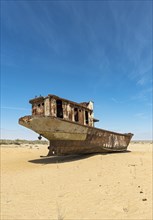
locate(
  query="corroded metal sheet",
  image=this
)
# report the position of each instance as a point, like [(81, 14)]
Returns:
[(67, 137), (69, 126), (47, 106), (55, 128)]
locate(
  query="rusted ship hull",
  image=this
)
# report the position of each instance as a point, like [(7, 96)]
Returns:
[(67, 137)]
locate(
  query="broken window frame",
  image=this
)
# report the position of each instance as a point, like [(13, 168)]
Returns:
[(59, 108)]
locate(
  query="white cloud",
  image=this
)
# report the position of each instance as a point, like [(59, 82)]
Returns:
[(141, 81), (143, 95), (118, 101), (141, 115)]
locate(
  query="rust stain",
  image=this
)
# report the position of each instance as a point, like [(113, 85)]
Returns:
[(69, 127)]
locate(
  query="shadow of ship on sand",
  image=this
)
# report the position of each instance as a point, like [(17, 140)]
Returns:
[(70, 158)]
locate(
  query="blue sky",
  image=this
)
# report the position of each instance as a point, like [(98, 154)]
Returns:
[(79, 50)]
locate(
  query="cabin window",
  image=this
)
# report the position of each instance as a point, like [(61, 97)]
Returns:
[(59, 108), (86, 117), (76, 115), (38, 105), (42, 104)]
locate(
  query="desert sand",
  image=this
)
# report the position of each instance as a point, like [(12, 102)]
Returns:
[(101, 186)]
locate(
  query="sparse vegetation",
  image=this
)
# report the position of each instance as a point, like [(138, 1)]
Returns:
[(141, 141), (19, 142)]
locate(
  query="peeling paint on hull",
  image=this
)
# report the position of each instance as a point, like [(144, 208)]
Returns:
[(67, 137)]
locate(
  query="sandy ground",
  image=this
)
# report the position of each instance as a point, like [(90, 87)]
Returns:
[(104, 186)]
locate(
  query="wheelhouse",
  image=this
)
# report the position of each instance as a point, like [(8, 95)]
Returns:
[(55, 106)]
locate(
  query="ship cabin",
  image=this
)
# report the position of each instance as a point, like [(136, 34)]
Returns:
[(55, 106)]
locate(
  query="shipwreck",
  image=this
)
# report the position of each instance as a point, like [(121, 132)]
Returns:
[(70, 127)]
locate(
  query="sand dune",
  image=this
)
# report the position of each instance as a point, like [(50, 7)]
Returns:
[(102, 186)]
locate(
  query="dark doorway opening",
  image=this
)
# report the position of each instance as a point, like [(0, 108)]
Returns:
[(59, 108), (86, 117), (76, 115)]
